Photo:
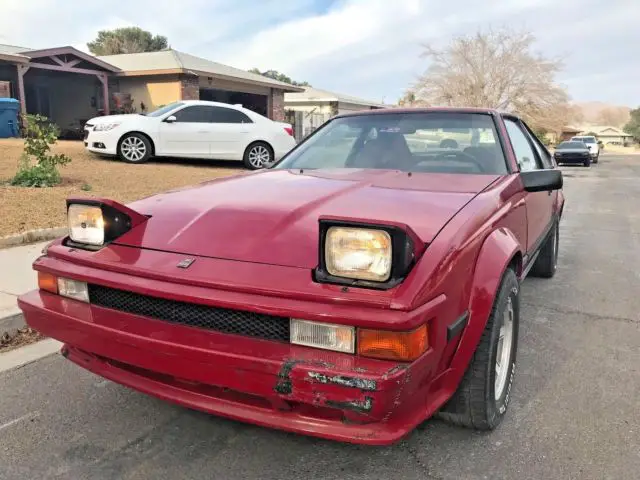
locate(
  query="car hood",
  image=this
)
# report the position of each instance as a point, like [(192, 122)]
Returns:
[(115, 118), (272, 216)]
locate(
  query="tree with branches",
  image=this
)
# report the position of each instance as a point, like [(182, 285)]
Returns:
[(126, 40), (494, 69), (281, 77)]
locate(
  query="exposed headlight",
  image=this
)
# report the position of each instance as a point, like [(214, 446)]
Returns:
[(73, 289), (104, 127), (339, 338), (358, 253), (86, 224)]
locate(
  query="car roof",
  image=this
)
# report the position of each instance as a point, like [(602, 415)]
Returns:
[(211, 104), (388, 111)]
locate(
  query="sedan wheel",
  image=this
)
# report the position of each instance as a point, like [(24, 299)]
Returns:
[(257, 156), (134, 148), (503, 351)]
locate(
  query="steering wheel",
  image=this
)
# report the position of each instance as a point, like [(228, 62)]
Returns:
[(465, 157)]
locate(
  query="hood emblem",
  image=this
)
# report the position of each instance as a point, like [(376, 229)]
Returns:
[(186, 263)]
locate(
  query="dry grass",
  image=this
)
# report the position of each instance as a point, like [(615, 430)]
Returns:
[(29, 208), (24, 336)]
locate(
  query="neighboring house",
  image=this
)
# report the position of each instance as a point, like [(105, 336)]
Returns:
[(308, 109), (608, 134), (565, 134), (70, 86)]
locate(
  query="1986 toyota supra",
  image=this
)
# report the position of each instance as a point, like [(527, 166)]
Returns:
[(368, 280)]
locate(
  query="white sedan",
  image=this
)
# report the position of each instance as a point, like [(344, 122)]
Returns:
[(191, 129)]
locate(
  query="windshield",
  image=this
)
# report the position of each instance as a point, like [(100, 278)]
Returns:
[(568, 145), (166, 109), (438, 142)]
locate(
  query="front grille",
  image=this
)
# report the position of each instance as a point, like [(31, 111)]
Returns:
[(269, 327)]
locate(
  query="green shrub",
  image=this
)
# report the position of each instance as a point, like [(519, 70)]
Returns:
[(86, 187), (37, 166)]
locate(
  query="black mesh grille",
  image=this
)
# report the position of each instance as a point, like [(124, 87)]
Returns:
[(224, 320)]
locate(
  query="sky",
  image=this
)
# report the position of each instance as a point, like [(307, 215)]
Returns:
[(365, 48)]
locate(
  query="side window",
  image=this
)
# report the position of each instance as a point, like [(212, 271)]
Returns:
[(228, 115), (525, 155), (194, 114), (543, 153)]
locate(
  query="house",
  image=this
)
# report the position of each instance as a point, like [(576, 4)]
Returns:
[(308, 109), (70, 86), (608, 134)]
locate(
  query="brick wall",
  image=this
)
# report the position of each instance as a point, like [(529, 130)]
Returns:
[(189, 87), (276, 110)]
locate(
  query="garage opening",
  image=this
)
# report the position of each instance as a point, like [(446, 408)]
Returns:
[(250, 101)]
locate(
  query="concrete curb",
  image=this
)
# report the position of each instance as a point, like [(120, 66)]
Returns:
[(32, 236), (28, 354), (11, 324)]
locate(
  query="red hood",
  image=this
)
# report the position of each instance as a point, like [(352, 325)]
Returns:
[(272, 216)]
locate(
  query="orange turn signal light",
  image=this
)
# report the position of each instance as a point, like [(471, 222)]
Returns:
[(388, 345), (47, 282)]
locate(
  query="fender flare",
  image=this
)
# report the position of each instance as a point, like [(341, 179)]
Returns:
[(499, 250)]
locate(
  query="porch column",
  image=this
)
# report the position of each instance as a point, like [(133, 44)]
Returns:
[(105, 92), (22, 69)]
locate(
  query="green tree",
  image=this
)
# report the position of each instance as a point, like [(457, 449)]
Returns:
[(126, 40), (281, 77), (633, 125)]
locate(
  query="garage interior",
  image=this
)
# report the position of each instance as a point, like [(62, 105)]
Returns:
[(250, 101)]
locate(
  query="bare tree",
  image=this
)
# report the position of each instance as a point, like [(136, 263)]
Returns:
[(495, 69)]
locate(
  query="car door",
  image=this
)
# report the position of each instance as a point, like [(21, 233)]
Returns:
[(539, 205), (232, 131), (188, 135)]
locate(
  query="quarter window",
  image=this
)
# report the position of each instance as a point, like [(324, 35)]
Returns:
[(525, 155)]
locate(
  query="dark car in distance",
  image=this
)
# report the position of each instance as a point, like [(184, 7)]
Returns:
[(350, 291), (572, 152)]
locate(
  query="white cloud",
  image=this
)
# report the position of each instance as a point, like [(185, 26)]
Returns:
[(367, 48)]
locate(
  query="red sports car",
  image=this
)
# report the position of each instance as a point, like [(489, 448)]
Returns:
[(366, 281)]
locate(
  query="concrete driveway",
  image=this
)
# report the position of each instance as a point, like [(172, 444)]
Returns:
[(575, 412)]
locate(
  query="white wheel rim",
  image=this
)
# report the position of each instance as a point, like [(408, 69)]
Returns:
[(133, 149), (503, 352), (258, 156)]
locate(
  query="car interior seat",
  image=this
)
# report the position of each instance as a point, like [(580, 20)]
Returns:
[(387, 150)]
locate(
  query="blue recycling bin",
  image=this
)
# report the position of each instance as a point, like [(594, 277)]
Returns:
[(9, 108)]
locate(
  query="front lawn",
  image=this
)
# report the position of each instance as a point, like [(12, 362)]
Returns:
[(30, 208)]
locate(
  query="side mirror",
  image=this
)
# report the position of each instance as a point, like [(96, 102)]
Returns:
[(541, 180), (170, 119)]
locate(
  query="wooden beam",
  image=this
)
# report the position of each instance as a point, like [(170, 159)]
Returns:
[(73, 63), (57, 60), (22, 69), (105, 92), (60, 68)]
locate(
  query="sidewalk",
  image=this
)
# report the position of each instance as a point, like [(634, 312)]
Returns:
[(16, 278)]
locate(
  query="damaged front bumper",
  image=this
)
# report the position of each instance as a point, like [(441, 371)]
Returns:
[(327, 394)]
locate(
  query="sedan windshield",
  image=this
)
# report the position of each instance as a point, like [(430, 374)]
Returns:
[(571, 145), (438, 142), (166, 109)]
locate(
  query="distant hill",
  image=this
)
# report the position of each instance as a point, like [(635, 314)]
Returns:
[(600, 113)]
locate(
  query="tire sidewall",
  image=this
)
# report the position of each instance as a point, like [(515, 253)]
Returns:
[(147, 145), (497, 407)]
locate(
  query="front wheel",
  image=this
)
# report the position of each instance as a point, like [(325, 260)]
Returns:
[(483, 394), (257, 155), (587, 162), (595, 160), (134, 148)]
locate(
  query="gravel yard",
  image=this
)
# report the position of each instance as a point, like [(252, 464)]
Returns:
[(30, 208)]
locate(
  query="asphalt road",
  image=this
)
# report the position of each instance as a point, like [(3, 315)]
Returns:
[(575, 411)]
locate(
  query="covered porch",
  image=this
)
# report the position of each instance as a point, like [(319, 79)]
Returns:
[(64, 84)]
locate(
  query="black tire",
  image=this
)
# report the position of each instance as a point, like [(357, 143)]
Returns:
[(595, 160), (547, 261), (474, 404), (587, 162), (134, 148), (257, 154)]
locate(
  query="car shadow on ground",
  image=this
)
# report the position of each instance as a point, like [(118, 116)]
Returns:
[(187, 162)]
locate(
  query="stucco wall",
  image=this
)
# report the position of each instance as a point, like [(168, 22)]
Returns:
[(153, 91)]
